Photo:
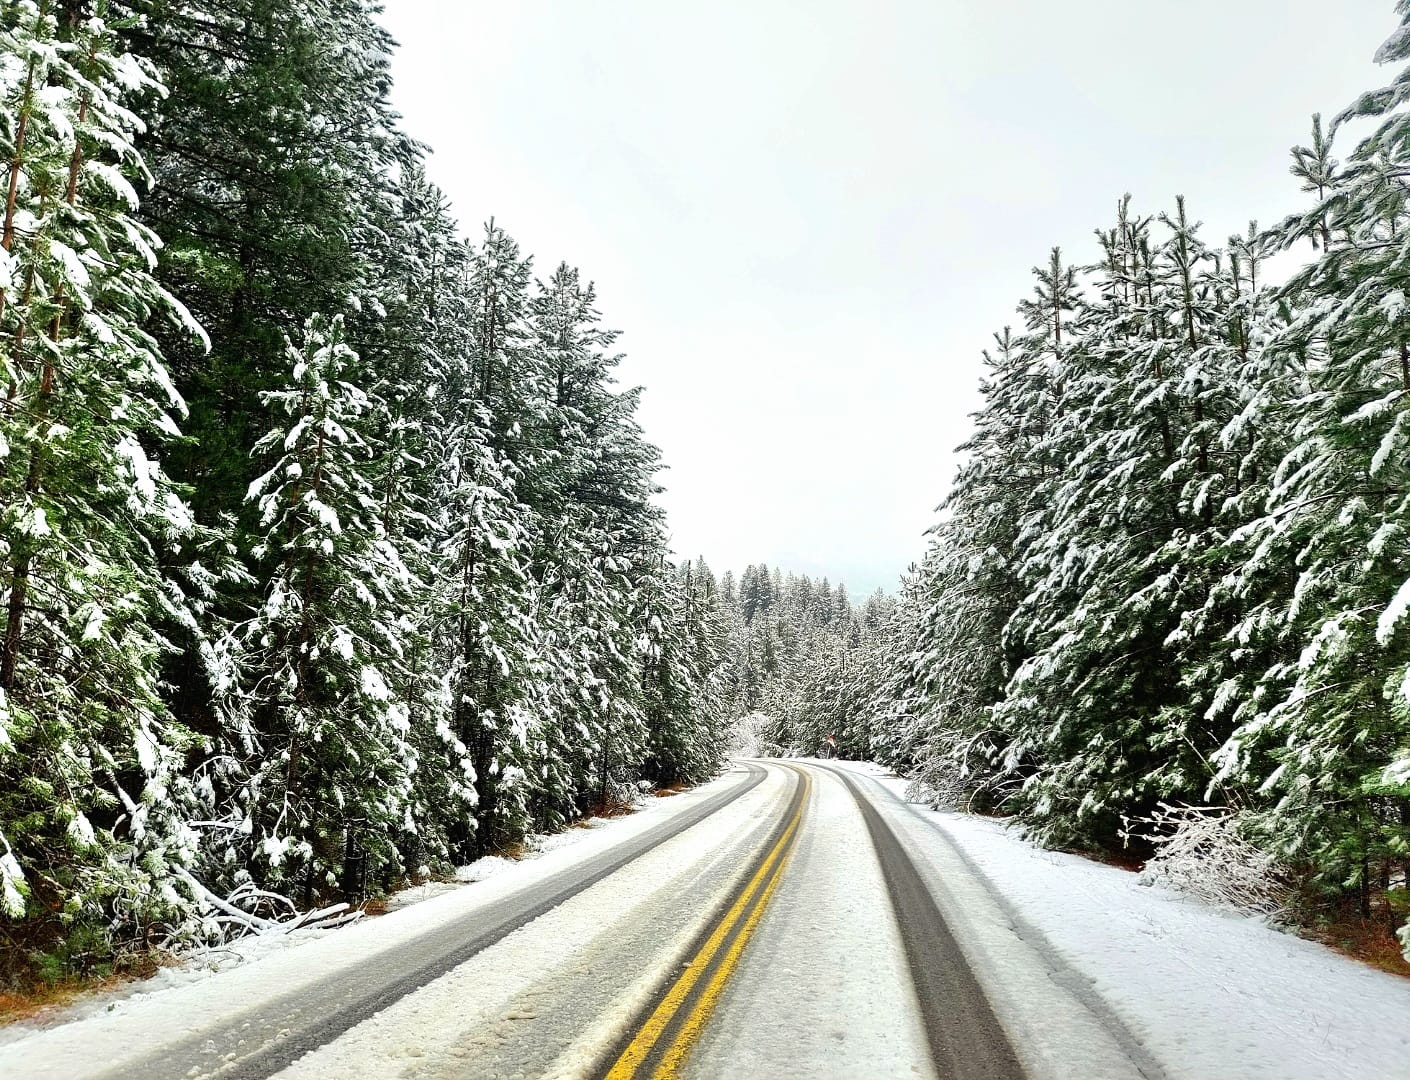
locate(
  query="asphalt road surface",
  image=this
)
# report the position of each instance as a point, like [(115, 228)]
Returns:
[(793, 919)]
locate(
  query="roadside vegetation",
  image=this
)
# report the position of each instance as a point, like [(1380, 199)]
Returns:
[(328, 555)]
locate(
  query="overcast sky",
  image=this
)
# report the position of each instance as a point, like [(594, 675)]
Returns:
[(808, 216)]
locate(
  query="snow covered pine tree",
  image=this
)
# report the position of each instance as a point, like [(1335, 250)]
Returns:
[(90, 758)]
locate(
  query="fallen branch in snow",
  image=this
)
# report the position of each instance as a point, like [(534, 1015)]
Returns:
[(252, 923), (1200, 851), (328, 918), (958, 773), (238, 913)]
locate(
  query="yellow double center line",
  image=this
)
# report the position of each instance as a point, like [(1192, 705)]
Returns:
[(660, 1046)]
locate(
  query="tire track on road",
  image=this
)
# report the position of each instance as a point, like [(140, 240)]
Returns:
[(1138, 1060), (967, 1042), (658, 1045)]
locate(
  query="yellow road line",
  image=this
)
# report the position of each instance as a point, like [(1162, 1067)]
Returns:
[(694, 1023), (762, 886)]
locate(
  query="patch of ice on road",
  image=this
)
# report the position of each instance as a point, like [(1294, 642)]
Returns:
[(1209, 993)]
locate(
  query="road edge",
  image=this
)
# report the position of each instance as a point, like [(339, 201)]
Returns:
[(1058, 1024)]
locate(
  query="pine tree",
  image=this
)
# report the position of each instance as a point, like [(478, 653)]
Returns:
[(271, 152), (318, 764), (417, 347), (1332, 716), (1131, 529), (970, 584), (489, 633), (684, 705), (91, 787), (1172, 566)]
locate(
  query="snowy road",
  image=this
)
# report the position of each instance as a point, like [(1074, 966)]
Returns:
[(788, 920), (744, 928)]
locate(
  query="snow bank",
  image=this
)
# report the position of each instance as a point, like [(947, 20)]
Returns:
[(1206, 992), (194, 967), (490, 865)]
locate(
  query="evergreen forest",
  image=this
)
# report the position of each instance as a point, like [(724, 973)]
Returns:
[(328, 556), (1173, 569)]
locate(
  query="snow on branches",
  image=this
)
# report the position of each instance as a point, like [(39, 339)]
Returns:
[(1201, 851)]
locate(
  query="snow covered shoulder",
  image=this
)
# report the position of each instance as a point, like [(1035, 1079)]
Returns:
[(1187, 989)]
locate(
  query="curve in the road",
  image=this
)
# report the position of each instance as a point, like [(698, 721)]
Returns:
[(967, 1042), (661, 1042), (253, 1047)]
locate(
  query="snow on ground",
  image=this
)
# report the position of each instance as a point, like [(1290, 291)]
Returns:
[(546, 842), (1209, 994), (1081, 960), (416, 894), (193, 967), (490, 865), (828, 949), (200, 965)]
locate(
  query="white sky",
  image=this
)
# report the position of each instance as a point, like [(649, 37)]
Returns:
[(808, 216)]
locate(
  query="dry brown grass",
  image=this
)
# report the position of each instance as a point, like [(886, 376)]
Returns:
[(1369, 940), (1122, 860), (610, 809), (34, 1001)]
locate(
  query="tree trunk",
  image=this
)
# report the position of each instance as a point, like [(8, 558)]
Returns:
[(19, 580), (7, 233)]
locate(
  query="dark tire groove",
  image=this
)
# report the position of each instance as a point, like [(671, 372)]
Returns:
[(967, 1042)]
